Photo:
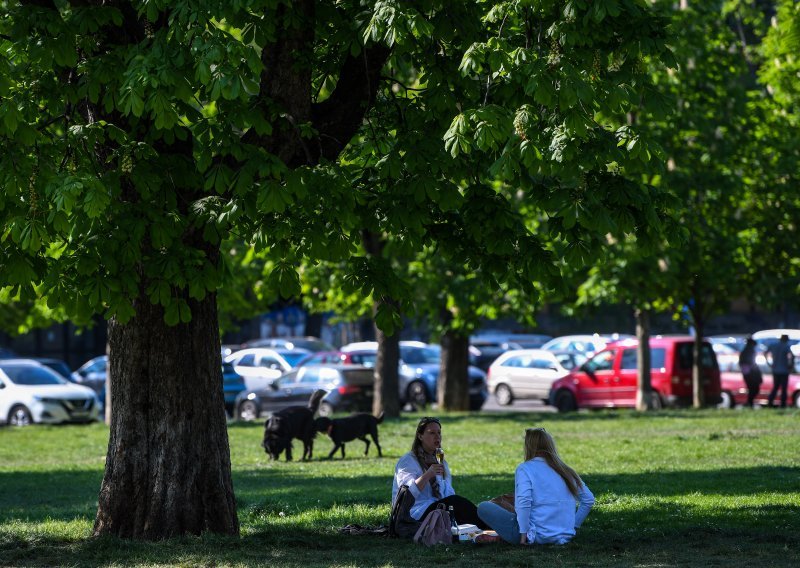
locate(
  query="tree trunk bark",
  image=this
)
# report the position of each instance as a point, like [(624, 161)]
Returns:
[(698, 396), (453, 383), (645, 397), (386, 398), (168, 470)]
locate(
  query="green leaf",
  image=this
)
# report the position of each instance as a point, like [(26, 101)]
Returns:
[(388, 318)]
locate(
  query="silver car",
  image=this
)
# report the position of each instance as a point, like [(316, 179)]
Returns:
[(528, 373)]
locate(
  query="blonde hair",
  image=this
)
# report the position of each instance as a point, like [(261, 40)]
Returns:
[(540, 444)]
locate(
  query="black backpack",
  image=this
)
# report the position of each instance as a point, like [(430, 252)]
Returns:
[(401, 523)]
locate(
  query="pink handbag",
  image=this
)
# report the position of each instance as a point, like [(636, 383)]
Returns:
[(435, 528)]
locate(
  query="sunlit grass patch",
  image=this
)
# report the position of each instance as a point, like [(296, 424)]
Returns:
[(673, 488)]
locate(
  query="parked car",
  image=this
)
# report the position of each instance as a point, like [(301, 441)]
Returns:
[(339, 357), (609, 379), (765, 338), (58, 365), (736, 341), (586, 345), (727, 357), (528, 373), (260, 366), (232, 385), (92, 374), (349, 388), (485, 348), (31, 392), (419, 372), (308, 343), (734, 390)]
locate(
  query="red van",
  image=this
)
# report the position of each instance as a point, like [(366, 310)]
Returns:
[(608, 380)]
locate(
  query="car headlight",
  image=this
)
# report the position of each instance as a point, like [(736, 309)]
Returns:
[(45, 400)]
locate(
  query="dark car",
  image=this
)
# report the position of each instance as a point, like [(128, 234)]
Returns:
[(349, 388), (484, 349), (365, 358), (419, 372)]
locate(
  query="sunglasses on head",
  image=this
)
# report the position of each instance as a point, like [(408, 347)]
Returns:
[(425, 420)]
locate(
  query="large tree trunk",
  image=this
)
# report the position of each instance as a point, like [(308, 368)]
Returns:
[(386, 398), (168, 469), (645, 398), (453, 383)]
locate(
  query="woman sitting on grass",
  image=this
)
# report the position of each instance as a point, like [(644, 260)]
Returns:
[(546, 492), (429, 481)]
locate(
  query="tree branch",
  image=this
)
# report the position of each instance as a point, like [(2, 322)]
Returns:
[(338, 118)]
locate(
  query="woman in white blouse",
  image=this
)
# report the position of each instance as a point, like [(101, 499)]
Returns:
[(550, 500), (429, 481)]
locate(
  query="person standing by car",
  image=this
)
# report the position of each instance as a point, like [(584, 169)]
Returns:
[(550, 499), (782, 363), (750, 371)]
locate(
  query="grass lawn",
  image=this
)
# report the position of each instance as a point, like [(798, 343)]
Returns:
[(673, 488)]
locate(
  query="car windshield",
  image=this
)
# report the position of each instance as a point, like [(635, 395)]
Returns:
[(31, 375), (420, 355)]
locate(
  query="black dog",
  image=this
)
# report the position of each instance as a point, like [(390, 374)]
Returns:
[(292, 422), (343, 430)]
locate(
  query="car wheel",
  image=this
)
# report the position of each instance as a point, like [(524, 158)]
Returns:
[(417, 394), (325, 409), (248, 410), (565, 401), (657, 401), (20, 416), (504, 395), (726, 400), (797, 399)]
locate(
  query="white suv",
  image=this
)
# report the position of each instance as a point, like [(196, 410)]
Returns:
[(31, 392)]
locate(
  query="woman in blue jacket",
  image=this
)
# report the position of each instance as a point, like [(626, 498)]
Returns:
[(550, 500)]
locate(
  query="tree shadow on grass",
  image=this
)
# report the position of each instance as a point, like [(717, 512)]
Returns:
[(290, 515), (299, 487)]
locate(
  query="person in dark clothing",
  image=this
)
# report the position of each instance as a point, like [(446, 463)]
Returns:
[(782, 363), (750, 371)]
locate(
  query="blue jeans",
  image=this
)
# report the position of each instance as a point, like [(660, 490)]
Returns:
[(503, 522)]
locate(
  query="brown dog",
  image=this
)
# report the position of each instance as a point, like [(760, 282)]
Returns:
[(341, 430)]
